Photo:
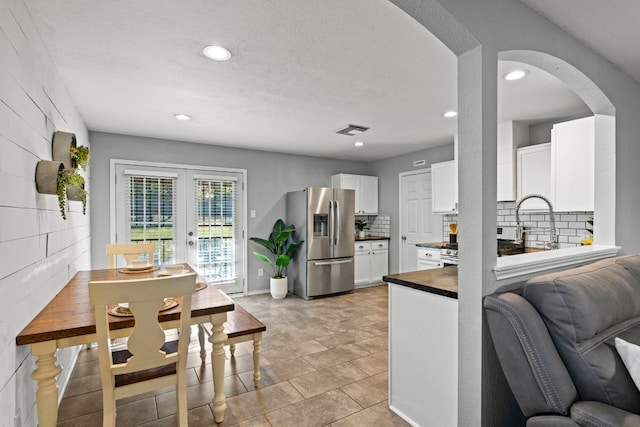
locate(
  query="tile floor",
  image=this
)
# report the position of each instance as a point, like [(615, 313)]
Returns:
[(324, 363)]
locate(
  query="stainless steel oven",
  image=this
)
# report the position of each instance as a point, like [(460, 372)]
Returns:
[(449, 254)]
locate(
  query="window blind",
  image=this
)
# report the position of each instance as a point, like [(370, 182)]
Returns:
[(217, 227), (151, 207)]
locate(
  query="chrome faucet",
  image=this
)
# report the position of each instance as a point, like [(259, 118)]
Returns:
[(553, 243)]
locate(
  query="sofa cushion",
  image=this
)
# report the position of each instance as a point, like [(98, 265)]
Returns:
[(584, 309)]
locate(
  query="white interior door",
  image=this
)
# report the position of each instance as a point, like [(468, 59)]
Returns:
[(418, 224), (192, 215)]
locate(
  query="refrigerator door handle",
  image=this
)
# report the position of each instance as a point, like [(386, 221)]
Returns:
[(338, 226), (332, 224), (342, 261)]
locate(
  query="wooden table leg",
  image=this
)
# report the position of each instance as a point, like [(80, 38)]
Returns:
[(45, 374), (217, 340)]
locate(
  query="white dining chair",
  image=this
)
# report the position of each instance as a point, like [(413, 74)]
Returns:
[(148, 362), (129, 251)]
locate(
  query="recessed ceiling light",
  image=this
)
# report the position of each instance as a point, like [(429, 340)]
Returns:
[(182, 117), (217, 53), (516, 75), (450, 114), (358, 143)]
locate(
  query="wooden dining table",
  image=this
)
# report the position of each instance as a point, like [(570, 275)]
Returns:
[(69, 320)]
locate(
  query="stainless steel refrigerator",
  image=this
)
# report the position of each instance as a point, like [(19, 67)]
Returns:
[(324, 219)]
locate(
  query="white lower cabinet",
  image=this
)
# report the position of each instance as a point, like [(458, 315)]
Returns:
[(423, 356), (371, 261), (362, 263)]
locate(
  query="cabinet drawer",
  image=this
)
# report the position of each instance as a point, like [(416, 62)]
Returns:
[(379, 244), (362, 246)]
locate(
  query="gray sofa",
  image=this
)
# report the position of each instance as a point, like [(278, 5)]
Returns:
[(555, 343)]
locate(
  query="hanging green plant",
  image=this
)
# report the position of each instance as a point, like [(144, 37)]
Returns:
[(71, 179), (80, 155)]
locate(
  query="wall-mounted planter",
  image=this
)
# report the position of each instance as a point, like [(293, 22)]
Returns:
[(79, 194), (62, 144), (47, 172), (74, 192), (60, 176)]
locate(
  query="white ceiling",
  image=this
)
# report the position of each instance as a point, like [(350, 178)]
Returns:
[(607, 27), (299, 72)]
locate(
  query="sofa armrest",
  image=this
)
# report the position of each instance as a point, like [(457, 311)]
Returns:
[(589, 413), (530, 362)]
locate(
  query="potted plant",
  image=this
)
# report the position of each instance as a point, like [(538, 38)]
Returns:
[(361, 225), (76, 189), (60, 176), (80, 155), (281, 249), (70, 184)]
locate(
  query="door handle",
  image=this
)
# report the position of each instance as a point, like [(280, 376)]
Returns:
[(404, 237), (337, 214), (345, 261), (332, 223), (190, 242)]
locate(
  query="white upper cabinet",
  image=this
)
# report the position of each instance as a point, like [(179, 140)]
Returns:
[(444, 185), (511, 135), (366, 188), (534, 175), (572, 165)]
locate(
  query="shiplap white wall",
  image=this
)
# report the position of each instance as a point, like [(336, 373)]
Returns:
[(39, 251)]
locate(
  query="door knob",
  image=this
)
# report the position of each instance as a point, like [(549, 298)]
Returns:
[(190, 242), (404, 237), (191, 233)]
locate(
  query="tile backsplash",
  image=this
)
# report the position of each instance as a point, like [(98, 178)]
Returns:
[(379, 225), (571, 226)]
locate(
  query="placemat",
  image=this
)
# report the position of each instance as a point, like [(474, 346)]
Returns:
[(146, 270), (125, 312)]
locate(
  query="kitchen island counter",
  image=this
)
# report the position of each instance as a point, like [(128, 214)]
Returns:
[(440, 281), (423, 346)]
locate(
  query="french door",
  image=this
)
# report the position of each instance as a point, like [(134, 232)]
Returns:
[(193, 215)]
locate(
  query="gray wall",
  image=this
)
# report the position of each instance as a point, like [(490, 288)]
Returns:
[(269, 177), (388, 171), (39, 251)]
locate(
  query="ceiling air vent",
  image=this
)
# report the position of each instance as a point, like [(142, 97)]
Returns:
[(352, 130)]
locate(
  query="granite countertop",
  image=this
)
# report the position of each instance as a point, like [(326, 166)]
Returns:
[(358, 239), (440, 281), (434, 245)]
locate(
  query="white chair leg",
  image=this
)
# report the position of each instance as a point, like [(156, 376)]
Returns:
[(203, 351), (182, 401)]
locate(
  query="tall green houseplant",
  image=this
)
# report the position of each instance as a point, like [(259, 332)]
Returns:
[(280, 246)]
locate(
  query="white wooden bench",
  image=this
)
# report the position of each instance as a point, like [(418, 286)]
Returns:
[(240, 326)]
